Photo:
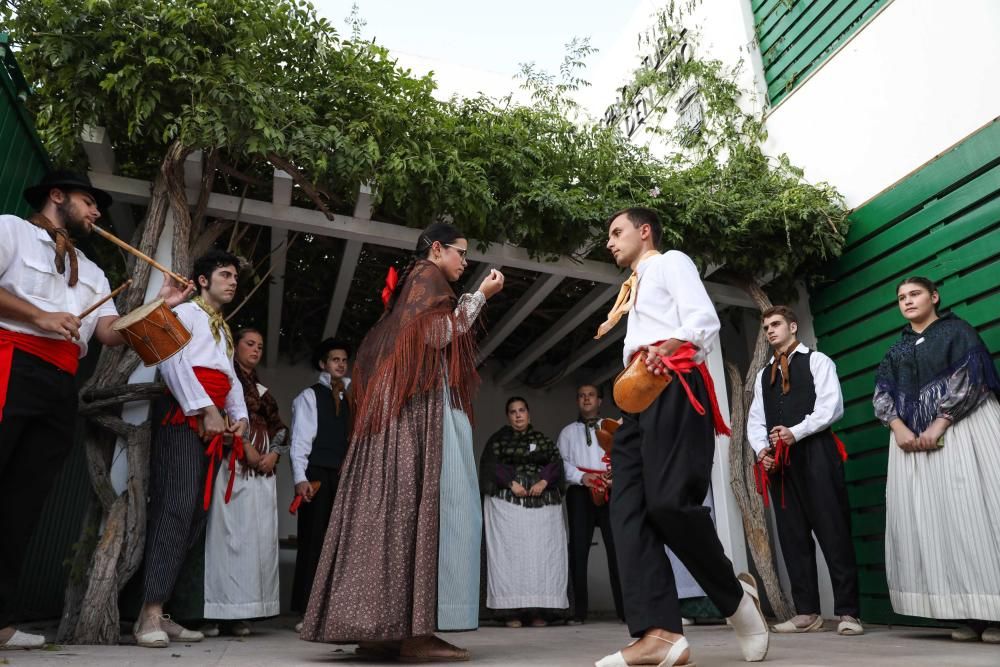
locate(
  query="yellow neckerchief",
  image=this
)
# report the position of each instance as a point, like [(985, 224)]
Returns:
[(217, 323), (626, 298)]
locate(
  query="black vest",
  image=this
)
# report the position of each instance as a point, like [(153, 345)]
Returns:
[(789, 409), (330, 445)]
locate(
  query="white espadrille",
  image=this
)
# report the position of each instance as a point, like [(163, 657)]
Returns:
[(749, 623), (788, 627), (850, 627), (23, 641), (677, 650), (177, 632), (151, 639)]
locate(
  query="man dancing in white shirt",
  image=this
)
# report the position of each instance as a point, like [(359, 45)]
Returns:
[(202, 384), (587, 500), (789, 428), (662, 457)]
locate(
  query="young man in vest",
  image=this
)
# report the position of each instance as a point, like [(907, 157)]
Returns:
[(796, 399), (587, 495), (45, 283), (321, 432), (662, 457), (205, 402)]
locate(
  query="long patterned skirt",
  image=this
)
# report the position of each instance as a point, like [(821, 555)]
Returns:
[(942, 547), (377, 577)]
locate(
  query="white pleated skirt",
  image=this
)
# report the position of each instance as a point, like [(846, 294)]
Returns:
[(942, 542), (527, 560), (241, 549)]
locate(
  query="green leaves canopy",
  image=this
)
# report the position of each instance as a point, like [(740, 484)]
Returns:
[(249, 78)]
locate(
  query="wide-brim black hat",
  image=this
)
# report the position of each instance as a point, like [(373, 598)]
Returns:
[(64, 180)]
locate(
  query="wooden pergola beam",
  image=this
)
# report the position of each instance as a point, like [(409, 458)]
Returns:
[(310, 221), (597, 298), (594, 347), (530, 300), (345, 276)]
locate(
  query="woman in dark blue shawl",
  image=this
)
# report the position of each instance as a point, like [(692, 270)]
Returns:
[(936, 389)]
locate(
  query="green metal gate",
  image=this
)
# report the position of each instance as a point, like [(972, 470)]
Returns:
[(943, 222)]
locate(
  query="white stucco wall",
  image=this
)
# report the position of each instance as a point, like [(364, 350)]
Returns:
[(919, 78)]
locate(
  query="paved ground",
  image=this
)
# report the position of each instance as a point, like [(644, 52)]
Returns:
[(275, 645)]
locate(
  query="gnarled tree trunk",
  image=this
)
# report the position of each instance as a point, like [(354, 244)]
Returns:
[(742, 459), (90, 614)]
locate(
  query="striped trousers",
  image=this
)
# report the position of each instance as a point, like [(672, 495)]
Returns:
[(177, 470)]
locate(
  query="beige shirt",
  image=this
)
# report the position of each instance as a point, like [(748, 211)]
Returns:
[(28, 271)]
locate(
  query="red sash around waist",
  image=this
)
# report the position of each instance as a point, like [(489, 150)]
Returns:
[(63, 354), (216, 385), (681, 363)]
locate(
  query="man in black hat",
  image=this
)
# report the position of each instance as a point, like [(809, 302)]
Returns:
[(44, 283)]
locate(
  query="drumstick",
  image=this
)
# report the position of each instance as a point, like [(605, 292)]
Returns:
[(105, 299), (141, 255)]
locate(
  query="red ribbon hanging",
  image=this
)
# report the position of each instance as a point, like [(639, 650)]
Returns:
[(294, 507), (214, 454), (391, 280), (682, 362), (782, 457)]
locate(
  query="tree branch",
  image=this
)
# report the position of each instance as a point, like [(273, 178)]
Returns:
[(307, 186)]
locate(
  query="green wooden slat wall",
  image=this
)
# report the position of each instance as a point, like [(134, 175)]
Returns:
[(796, 36), (942, 222), (23, 161)]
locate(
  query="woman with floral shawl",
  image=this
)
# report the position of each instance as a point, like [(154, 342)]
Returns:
[(936, 389), (401, 555), (526, 546)]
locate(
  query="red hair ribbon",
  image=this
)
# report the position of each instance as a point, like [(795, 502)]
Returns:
[(391, 280)]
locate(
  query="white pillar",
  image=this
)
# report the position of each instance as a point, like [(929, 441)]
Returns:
[(136, 412), (728, 520)]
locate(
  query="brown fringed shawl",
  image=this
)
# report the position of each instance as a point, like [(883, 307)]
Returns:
[(413, 349)]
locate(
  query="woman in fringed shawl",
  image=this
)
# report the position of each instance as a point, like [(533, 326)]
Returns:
[(937, 390), (526, 552), (401, 555), (241, 540)]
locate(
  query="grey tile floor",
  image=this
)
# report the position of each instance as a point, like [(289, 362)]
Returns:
[(274, 644)]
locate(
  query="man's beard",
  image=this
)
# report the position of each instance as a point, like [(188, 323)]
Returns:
[(75, 224)]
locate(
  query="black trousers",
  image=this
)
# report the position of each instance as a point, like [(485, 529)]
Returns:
[(583, 517), (815, 501), (36, 435), (313, 519), (177, 470), (662, 466)]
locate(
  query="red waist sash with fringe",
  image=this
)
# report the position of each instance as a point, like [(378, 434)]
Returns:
[(216, 385)]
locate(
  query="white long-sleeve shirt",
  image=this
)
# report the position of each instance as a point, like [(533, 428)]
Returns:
[(829, 406), (202, 350), (670, 302), (305, 425), (576, 453), (28, 271)]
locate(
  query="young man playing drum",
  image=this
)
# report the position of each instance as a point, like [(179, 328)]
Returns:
[(662, 456), (205, 402), (45, 283)]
